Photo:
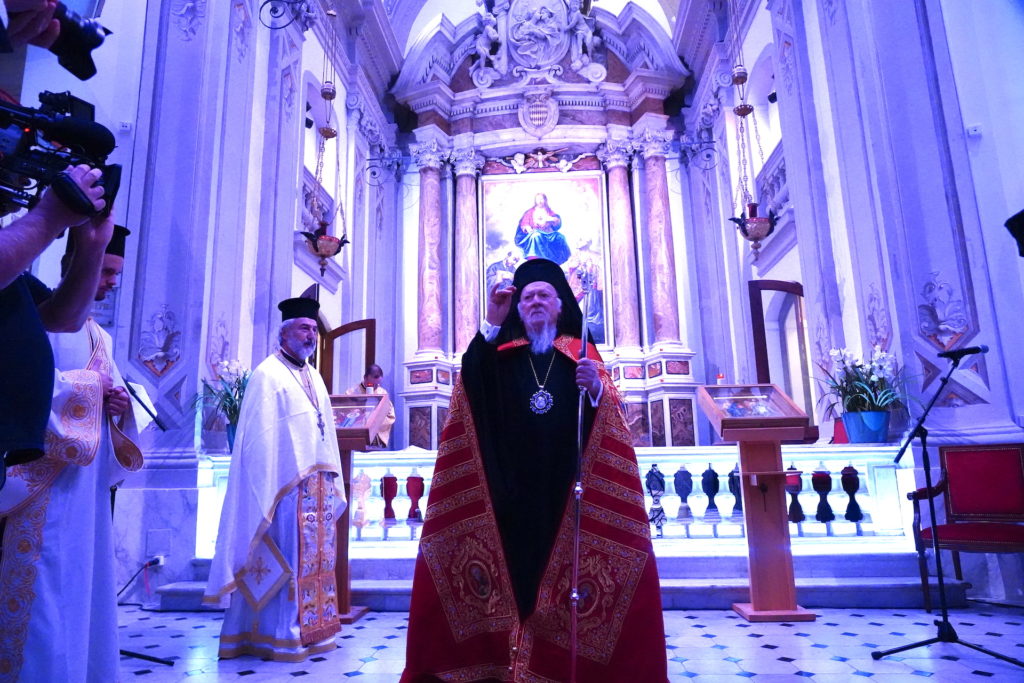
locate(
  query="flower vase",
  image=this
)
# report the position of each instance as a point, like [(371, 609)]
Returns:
[(231, 427), (868, 426)]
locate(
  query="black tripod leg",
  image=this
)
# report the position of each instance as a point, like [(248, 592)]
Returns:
[(878, 654), (148, 658), (1005, 658)]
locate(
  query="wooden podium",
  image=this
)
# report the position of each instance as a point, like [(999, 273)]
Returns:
[(357, 419), (760, 417)]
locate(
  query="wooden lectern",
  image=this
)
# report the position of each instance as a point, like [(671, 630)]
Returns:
[(356, 419), (760, 417)]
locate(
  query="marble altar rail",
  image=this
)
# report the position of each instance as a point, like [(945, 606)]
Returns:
[(880, 488)]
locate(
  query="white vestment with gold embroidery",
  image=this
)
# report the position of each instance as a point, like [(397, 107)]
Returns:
[(282, 484), (58, 553)]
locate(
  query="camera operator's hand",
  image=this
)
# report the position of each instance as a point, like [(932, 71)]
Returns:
[(57, 212), (31, 21), (68, 308), (94, 234)]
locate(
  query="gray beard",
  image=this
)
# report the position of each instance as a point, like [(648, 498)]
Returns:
[(543, 339)]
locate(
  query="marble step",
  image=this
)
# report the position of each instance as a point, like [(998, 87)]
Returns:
[(864, 592), (890, 564)]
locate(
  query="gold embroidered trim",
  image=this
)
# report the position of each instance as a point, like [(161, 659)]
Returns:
[(22, 545), (449, 475), (615, 490), (318, 590), (454, 502)]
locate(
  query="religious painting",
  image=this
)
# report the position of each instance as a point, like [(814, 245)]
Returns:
[(557, 216)]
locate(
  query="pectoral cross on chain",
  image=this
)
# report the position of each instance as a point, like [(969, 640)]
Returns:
[(320, 423)]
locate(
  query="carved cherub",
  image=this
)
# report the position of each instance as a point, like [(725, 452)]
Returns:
[(487, 38), (582, 35), (542, 157)]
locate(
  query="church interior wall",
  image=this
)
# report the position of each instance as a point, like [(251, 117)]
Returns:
[(223, 202), (980, 65)]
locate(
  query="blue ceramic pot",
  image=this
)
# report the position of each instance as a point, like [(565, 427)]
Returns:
[(869, 426)]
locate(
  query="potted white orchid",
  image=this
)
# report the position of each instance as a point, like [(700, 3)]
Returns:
[(225, 393), (868, 391)]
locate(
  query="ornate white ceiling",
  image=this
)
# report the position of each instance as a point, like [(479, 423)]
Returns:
[(410, 17)]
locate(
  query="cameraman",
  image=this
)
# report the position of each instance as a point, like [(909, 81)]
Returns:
[(27, 21), (28, 309)]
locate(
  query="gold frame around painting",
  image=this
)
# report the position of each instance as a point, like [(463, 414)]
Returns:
[(576, 202)]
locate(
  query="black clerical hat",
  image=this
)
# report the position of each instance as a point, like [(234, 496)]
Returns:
[(1015, 224), (116, 244), (299, 307), (542, 270)]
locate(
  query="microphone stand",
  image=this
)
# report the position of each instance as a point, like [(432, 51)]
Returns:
[(945, 632), (577, 492)]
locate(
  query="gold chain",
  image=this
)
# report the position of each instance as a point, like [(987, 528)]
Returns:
[(548, 374)]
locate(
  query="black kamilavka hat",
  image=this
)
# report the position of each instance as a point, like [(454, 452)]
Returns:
[(299, 307), (542, 270), (116, 244)]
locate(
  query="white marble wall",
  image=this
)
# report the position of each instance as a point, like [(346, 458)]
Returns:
[(149, 523)]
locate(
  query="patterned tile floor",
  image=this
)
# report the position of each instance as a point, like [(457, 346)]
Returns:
[(701, 645)]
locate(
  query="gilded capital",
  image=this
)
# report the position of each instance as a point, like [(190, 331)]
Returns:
[(615, 152), (467, 161), (430, 154), (652, 143)]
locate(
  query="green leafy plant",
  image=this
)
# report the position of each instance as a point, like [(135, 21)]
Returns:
[(226, 392), (861, 385)]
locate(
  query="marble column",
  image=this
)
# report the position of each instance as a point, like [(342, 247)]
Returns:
[(467, 163), (429, 156), (429, 374), (654, 144), (615, 155)]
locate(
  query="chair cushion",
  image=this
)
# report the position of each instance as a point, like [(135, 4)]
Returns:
[(1010, 536)]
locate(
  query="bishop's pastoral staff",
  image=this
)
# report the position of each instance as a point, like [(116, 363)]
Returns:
[(273, 568)]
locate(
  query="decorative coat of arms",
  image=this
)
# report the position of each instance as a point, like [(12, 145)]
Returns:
[(538, 113), (517, 37)]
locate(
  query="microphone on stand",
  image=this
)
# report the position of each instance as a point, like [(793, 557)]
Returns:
[(957, 354)]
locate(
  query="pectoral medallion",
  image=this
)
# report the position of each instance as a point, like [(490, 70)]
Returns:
[(541, 401)]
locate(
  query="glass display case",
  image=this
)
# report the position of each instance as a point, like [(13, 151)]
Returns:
[(360, 411), (745, 406)]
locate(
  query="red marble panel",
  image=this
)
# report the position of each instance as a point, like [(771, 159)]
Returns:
[(461, 79), (618, 72), (633, 372), (444, 377), (680, 415), (677, 367), (421, 376), (648, 105), (419, 427), (619, 118), (442, 417), (654, 369), (428, 117), (639, 427), (615, 374), (657, 422)]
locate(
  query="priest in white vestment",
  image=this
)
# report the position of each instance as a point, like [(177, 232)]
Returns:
[(273, 568), (371, 385), (58, 553)]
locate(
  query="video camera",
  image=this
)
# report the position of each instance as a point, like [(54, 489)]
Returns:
[(37, 145)]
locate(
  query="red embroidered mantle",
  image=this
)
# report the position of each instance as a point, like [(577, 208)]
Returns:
[(463, 623)]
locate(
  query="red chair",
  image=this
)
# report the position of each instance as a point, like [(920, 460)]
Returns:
[(984, 500)]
